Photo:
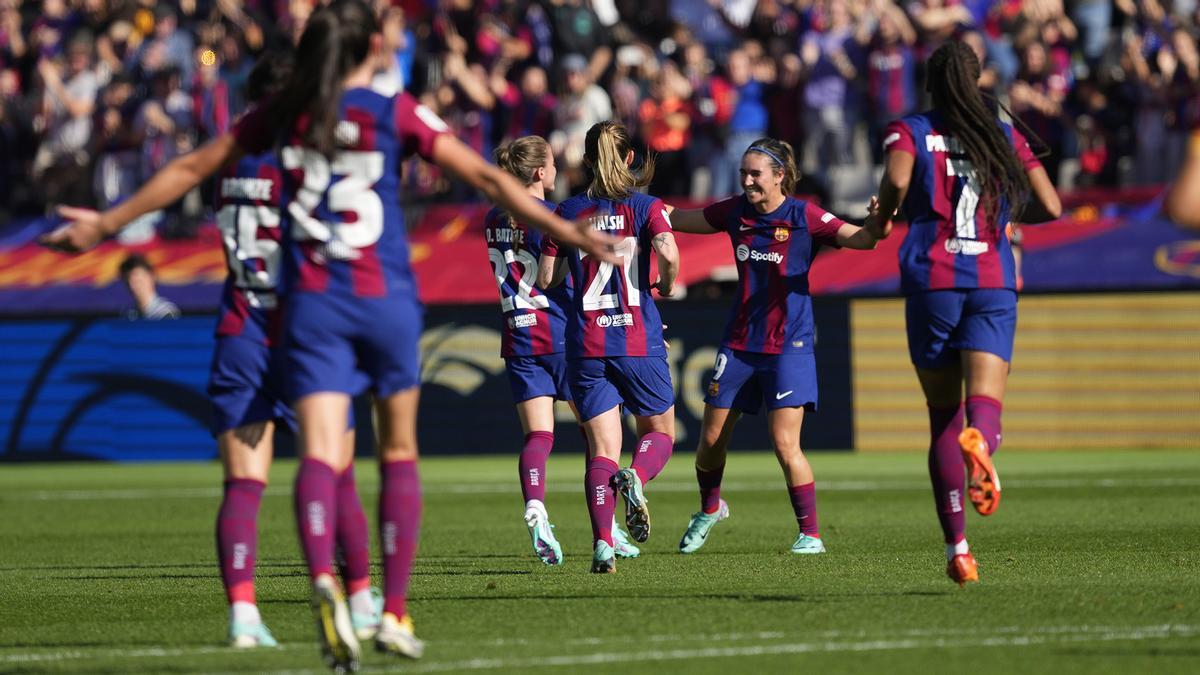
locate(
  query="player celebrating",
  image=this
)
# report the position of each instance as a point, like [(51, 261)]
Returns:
[(615, 350), (534, 337), (766, 355), (961, 176), (352, 299)]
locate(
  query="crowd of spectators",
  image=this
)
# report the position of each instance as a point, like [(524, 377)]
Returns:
[(97, 94)]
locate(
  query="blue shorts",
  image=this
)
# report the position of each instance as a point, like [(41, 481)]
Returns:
[(348, 345), (744, 380), (245, 386), (942, 323), (641, 383), (534, 376)]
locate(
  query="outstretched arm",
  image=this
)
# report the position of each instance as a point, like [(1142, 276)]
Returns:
[(668, 262), (893, 186), (1046, 205), (85, 228), (502, 189), (691, 221)]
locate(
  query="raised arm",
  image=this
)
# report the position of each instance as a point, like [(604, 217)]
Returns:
[(502, 189), (85, 228), (668, 262)]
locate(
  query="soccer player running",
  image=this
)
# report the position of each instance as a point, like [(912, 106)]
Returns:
[(534, 337), (352, 302), (766, 357), (616, 356), (961, 175)]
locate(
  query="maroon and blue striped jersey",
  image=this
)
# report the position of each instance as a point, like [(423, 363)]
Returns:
[(248, 199), (891, 74), (774, 252), (614, 313), (534, 319), (950, 242), (346, 230)]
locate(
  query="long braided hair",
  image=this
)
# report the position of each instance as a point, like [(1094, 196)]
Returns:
[(951, 77)]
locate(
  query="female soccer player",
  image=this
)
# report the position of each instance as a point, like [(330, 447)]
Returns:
[(615, 350), (534, 337), (352, 305), (766, 356), (961, 176)]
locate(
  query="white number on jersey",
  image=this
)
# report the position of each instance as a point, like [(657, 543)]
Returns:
[(593, 298), (352, 193), (239, 233), (529, 271), (968, 201)]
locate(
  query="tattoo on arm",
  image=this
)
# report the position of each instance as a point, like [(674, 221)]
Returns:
[(661, 240)]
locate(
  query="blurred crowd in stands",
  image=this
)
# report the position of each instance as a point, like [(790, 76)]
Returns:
[(97, 94)]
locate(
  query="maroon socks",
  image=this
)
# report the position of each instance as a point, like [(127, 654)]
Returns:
[(653, 451), (237, 537), (315, 500), (399, 527), (601, 499), (710, 488), (533, 464), (983, 413), (353, 538), (804, 504), (947, 471)]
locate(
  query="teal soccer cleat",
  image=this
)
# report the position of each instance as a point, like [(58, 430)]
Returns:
[(367, 625), (699, 527), (603, 559), (806, 545), (623, 547), (541, 532), (250, 635), (637, 516)]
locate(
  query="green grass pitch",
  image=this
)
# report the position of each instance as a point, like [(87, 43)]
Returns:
[(1089, 566)]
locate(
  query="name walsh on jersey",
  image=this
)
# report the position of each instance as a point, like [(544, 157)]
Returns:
[(615, 222)]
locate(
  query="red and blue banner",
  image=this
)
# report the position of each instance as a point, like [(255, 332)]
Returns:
[(1105, 241)]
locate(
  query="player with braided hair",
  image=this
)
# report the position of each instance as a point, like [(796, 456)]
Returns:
[(961, 176)]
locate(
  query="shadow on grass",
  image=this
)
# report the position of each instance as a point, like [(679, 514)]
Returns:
[(735, 597)]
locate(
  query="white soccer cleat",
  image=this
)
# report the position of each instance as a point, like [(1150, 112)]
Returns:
[(339, 646), (396, 637)]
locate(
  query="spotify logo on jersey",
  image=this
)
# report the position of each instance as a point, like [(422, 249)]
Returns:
[(743, 252)]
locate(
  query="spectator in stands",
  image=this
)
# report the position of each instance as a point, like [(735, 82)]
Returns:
[(115, 144), (138, 276), (713, 100), (1037, 98), (582, 105), (69, 97), (16, 144), (831, 102), (891, 71), (530, 107), (666, 119), (748, 120)]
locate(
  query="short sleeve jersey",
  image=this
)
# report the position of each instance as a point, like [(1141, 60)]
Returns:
[(534, 319), (614, 313), (347, 233), (774, 252), (950, 241), (248, 198)]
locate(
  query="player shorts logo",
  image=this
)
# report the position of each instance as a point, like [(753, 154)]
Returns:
[(713, 388), (743, 252), (782, 234)]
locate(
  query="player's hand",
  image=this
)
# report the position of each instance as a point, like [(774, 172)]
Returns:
[(875, 224), (663, 289), (81, 232), (596, 243)]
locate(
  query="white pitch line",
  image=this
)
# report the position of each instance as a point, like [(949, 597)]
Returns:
[(766, 485), (828, 641)]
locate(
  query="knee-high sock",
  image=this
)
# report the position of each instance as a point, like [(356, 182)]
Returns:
[(533, 464), (316, 514), (947, 471), (601, 500), (983, 413), (710, 488), (399, 529), (237, 537), (654, 449), (804, 505), (353, 537)]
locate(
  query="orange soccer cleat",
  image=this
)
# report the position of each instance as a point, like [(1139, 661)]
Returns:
[(962, 569), (983, 483)]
